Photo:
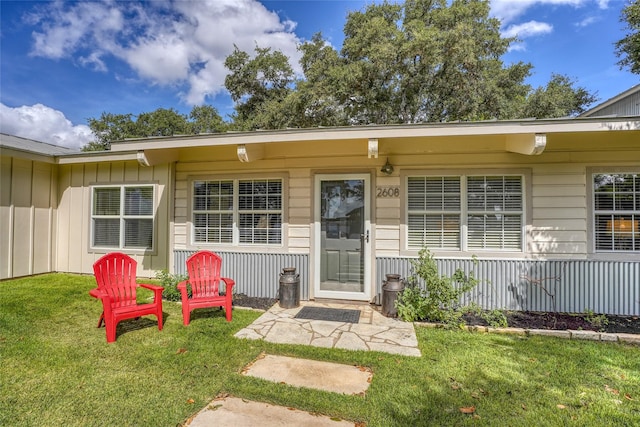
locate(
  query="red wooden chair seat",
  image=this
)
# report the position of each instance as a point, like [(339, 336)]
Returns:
[(203, 270), (115, 275)]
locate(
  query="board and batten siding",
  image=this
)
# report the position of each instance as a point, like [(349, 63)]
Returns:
[(27, 217), (74, 213)]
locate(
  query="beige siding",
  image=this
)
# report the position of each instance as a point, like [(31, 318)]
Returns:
[(556, 193), (27, 212), (557, 206), (74, 219)]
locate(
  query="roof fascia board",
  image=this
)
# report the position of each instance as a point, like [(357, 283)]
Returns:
[(380, 132), (27, 155), (97, 157)]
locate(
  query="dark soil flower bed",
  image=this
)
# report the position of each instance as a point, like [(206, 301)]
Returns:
[(242, 300), (562, 321)]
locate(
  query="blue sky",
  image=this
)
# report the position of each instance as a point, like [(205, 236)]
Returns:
[(64, 62)]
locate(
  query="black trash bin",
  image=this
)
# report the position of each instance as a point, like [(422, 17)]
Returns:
[(391, 288), (289, 292)]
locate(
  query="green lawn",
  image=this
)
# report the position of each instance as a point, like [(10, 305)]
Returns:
[(57, 369)]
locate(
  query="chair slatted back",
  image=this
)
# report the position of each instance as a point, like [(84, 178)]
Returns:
[(115, 274), (203, 269)]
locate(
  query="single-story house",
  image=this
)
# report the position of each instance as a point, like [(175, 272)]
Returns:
[(550, 209)]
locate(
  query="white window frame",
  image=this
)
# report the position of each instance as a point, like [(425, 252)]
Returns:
[(613, 213), (236, 211), (122, 218), (465, 212)]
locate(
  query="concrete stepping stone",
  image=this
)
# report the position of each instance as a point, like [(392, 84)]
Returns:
[(333, 377), (233, 411)]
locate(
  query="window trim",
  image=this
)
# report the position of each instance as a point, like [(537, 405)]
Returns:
[(593, 253), (122, 218), (464, 250), (235, 242)]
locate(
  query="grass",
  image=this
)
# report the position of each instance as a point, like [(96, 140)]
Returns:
[(57, 369)]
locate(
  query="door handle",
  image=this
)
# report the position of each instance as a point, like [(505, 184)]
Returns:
[(365, 236)]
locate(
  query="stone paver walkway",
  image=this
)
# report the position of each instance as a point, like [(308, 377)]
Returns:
[(373, 332)]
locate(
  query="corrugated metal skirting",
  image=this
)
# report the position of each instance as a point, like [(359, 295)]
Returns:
[(609, 287), (256, 275)]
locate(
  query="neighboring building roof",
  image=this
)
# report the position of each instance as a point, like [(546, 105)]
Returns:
[(31, 146), (624, 104)]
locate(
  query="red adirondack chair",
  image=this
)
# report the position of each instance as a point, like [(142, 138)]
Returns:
[(203, 269), (116, 278)]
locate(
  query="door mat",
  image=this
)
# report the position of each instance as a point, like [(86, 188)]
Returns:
[(330, 314)]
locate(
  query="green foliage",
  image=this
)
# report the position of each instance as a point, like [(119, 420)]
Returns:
[(559, 98), (108, 128), (440, 299), (494, 318), (205, 119), (161, 122), (258, 86), (628, 48), (170, 282), (598, 321), (412, 304), (412, 62)]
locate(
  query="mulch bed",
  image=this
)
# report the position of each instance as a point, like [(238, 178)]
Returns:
[(241, 300), (563, 321)]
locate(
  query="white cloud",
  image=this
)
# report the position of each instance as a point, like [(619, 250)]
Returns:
[(518, 47), (586, 22), (44, 124), (509, 10), (528, 29), (181, 43), (65, 29)]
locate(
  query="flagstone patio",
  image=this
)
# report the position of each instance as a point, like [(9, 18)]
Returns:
[(373, 332)]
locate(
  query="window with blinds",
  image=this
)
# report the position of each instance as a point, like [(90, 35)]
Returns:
[(465, 212), (616, 212), (434, 212), (494, 212), (238, 211), (122, 217)]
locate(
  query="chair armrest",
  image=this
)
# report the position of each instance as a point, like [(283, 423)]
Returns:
[(157, 290), (229, 283), (184, 292), (151, 287), (98, 294), (182, 285)]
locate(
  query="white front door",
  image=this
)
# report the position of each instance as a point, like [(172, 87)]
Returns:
[(342, 244)]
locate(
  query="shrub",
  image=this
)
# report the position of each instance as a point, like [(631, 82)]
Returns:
[(411, 304), (597, 321), (439, 301), (170, 282)]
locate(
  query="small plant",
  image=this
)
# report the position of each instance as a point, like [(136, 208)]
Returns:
[(170, 283), (598, 321), (412, 304), (439, 301), (494, 318)]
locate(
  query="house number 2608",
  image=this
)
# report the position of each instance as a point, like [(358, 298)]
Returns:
[(388, 192)]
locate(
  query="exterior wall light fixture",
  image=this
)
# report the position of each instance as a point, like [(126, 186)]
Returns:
[(387, 169)]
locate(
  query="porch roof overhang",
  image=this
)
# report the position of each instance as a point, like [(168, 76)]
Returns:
[(526, 137)]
